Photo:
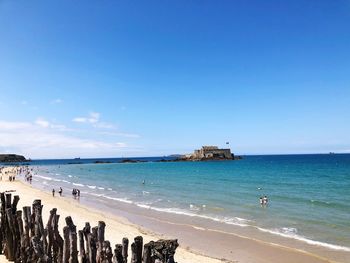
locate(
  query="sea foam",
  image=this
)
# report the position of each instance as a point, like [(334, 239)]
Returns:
[(292, 233)]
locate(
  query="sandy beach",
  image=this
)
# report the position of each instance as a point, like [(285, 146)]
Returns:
[(242, 249)]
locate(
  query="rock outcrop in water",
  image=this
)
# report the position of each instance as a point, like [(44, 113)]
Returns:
[(7, 158)]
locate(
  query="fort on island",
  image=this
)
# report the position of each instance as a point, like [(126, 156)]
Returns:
[(210, 153)]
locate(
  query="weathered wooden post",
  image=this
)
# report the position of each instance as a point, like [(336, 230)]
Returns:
[(10, 242), (73, 252), (27, 224), (82, 254), (2, 222), (21, 247), (100, 239), (86, 232), (107, 254), (14, 204), (118, 256), (146, 257), (125, 244), (58, 241), (49, 231), (92, 247), (136, 250), (66, 245)]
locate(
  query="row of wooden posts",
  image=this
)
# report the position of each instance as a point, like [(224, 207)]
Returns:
[(26, 240)]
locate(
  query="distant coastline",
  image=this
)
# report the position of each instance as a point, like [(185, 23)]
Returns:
[(12, 158)]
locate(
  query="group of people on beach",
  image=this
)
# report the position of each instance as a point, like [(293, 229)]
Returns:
[(28, 173), (28, 178), (263, 200), (76, 193), (11, 172), (59, 191)]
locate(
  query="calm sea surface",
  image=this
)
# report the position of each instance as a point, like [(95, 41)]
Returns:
[(309, 195)]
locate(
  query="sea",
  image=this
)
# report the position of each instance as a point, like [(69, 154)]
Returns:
[(308, 195)]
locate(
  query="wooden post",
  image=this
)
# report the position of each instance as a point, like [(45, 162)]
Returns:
[(2, 222), (72, 233), (86, 231), (21, 247), (27, 224), (118, 256), (10, 235), (92, 247), (58, 241), (73, 257), (82, 255), (66, 245), (136, 250), (49, 230), (163, 250), (146, 257), (8, 201), (27, 215), (100, 239), (106, 254), (125, 244), (14, 204)]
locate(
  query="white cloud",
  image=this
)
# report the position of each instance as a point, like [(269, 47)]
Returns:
[(56, 101), (104, 125), (120, 134), (121, 144), (4, 125), (42, 139), (80, 119), (43, 123), (92, 118)]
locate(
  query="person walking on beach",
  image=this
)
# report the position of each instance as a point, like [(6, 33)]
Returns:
[(53, 192), (60, 191)]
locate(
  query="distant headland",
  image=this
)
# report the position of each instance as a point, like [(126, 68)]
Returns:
[(12, 158)]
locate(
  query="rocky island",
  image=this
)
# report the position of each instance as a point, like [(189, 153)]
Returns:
[(209, 153), (206, 153), (13, 158)]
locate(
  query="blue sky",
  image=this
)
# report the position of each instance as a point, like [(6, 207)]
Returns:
[(145, 78)]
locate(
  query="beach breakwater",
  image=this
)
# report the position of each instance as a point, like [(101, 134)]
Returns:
[(26, 240)]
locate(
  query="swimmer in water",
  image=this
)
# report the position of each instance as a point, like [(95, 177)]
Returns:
[(143, 182), (265, 200)]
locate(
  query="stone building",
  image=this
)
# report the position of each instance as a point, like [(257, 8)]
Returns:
[(212, 152)]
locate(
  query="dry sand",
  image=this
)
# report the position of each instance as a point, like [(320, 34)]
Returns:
[(245, 250)]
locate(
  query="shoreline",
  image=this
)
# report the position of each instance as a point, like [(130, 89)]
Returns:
[(116, 227), (195, 242)]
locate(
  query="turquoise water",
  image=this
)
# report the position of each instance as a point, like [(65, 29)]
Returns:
[(309, 195)]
